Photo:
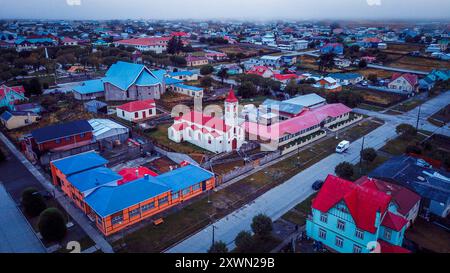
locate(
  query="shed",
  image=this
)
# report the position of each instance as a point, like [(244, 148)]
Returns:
[(108, 130), (95, 106)]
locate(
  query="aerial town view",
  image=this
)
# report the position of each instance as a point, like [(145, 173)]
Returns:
[(252, 126)]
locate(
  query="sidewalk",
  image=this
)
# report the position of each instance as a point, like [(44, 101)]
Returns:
[(74, 213)]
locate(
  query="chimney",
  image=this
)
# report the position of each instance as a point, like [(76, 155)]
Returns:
[(137, 172), (171, 168)]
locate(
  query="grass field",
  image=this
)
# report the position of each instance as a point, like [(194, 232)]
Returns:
[(419, 63), (408, 105)]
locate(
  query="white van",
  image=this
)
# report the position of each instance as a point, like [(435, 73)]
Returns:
[(342, 146)]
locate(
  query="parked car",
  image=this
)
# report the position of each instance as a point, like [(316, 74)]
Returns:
[(342, 146), (317, 185)]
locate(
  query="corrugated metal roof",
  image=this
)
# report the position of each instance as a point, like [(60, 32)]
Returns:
[(61, 130), (79, 162)]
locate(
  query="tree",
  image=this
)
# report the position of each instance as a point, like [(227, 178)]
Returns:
[(413, 149), (326, 61), (244, 241), (247, 90), (344, 170), (223, 74), (373, 78), (218, 247), (52, 225), (406, 130), (34, 87), (262, 225), (206, 69), (206, 81), (368, 154), (178, 60), (362, 64), (33, 202), (292, 88)]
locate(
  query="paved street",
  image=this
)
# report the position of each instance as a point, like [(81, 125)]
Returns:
[(284, 197), (16, 235), (396, 69)]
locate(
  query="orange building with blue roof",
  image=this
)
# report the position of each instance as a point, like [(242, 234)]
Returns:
[(116, 201)]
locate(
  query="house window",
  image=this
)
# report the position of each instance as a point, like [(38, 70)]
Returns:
[(163, 200), (324, 217), (339, 241), (136, 114), (123, 113), (357, 249), (99, 220), (175, 195), (117, 218), (147, 207), (186, 191), (196, 187), (133, 213), (58, 141), (322, 234), (341, 225), (387, 234), (359, 234)]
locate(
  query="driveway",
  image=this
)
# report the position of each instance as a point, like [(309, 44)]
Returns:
[(284, 197), (16, 235)]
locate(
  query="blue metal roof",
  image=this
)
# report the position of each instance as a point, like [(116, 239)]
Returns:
[(93, 178), (189, 87), (344, 76), (170, 81), (61, 130), (6, 116), (123, 75), (184, 177), (79, 163), (283, 106), (88, 87), (108, 200)]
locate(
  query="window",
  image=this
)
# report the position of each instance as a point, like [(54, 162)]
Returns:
[(175, 195), (341, 225), (163, 200), (324, 217), (387, 234), (186, 191), (196, 187), (117, 218), (99, 220), (123, 113), (82, 135), (133, 213), (136, 114), (339, 241), (147, 207), (357, 249), (359, 234), (68, 138), (322, 234), (57, 141)]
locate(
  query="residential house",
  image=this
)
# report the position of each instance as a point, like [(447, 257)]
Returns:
[(329, 84), (9, 96), (262, 71), (67, 41), (407, 83), (335, 48), (271, 61), (300, 44), (432, 184), (137, 110), (89, 90), (285, 78), (185, 75), (406, 201), (196, 60), (95, 106), (188, 90), (210, 132), (347, 78), (347, 217), (154, 44), (62, 136), (115, 201), (16, 119), (108, 130)]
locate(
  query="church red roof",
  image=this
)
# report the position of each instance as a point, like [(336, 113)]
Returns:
[(231, 97), (363, 203)]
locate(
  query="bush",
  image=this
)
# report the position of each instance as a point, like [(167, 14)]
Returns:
[(33, 202), (218, 247), (244, 241), (206, 70), (247, 90), (368, 154), (344, 170), (406, 130), (262, 225), (52, 225), (414, 149), (206, 81)]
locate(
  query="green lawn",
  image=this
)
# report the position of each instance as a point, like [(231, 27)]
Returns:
[(300, 212), (397, 146), (408, 105), (370, 107)]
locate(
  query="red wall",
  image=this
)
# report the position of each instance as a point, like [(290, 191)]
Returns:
[(63, 142)]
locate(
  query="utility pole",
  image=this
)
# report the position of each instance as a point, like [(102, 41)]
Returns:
[(360, 155), (418, 117), (213, 239)]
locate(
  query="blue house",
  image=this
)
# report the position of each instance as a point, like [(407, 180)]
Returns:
[(335, 48), (431, 184), (89, 90), (353, 218)]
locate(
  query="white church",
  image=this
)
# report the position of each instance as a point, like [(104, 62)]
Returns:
[(209, 132)]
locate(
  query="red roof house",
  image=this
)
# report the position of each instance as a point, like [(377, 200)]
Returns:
[(137, 110)]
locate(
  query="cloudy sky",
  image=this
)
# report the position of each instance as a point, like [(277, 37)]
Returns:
[(221, 9)]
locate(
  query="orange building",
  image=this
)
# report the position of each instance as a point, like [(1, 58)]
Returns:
[(113, 205)]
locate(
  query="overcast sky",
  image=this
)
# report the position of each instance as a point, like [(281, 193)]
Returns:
[(220, 9)]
